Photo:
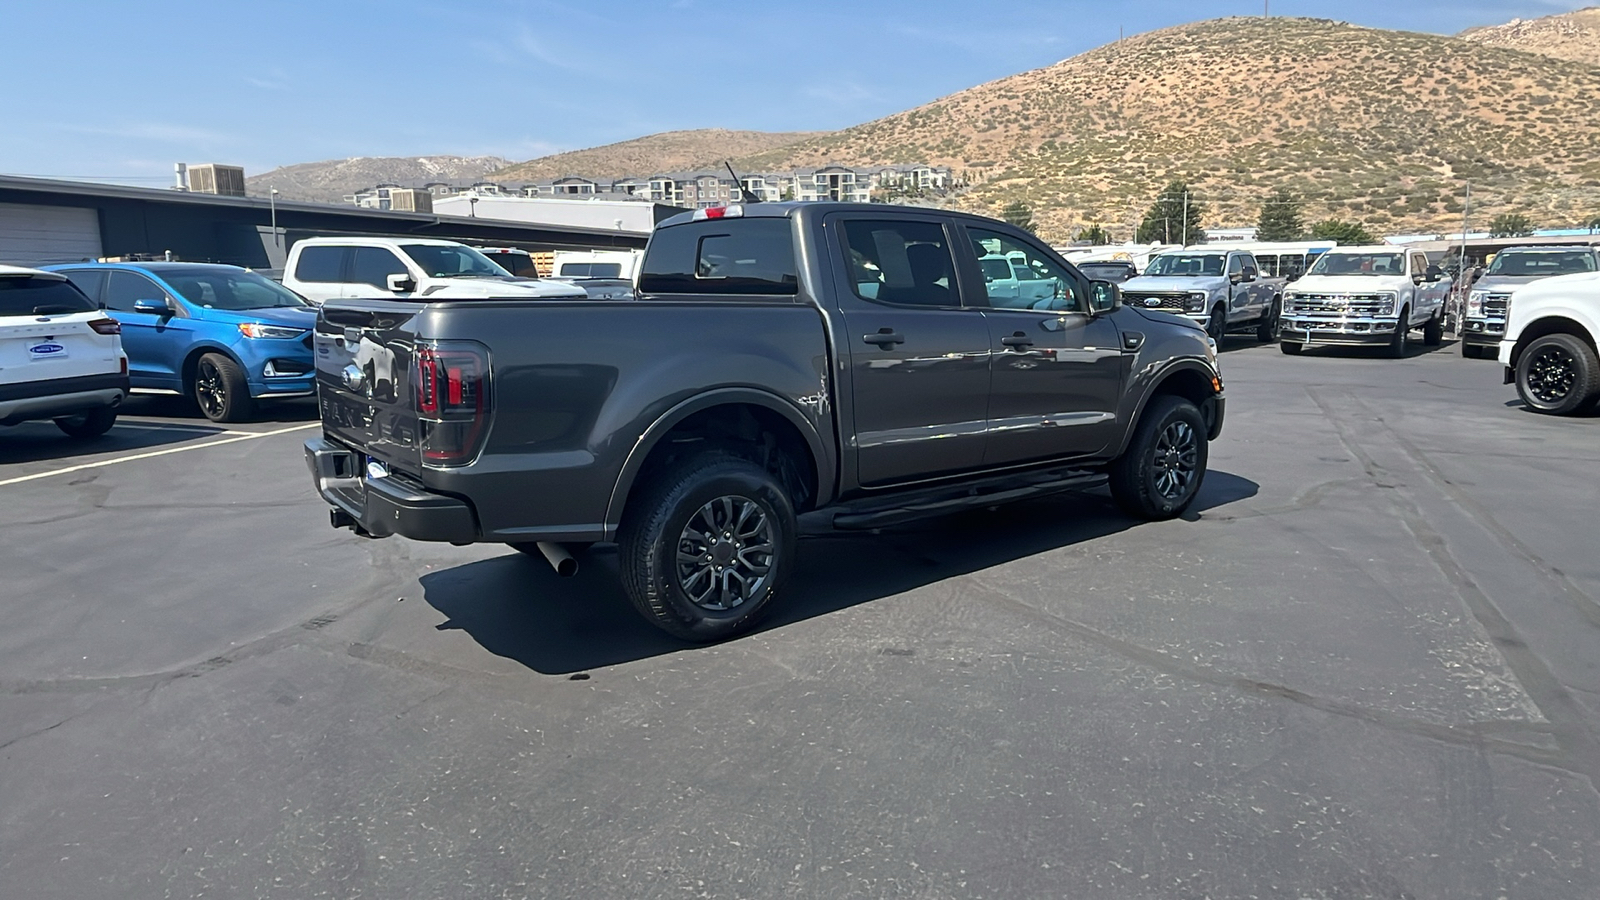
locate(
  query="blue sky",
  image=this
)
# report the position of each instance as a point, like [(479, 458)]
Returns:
[(122, 90)]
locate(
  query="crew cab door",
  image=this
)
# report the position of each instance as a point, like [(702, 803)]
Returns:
[(156, 342), (918, 356), (1055, 372)]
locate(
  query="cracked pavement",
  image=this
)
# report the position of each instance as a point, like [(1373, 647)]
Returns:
[(1364, 667)]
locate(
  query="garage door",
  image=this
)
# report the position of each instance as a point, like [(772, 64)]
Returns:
[(40, 235)]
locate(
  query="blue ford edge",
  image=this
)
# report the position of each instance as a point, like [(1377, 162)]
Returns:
[(223, 335)]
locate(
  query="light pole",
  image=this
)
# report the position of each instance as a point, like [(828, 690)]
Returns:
[(472, 207), (272, 198)]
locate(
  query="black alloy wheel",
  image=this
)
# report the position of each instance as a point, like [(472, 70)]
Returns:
[(1400, 341), (220, 389), (1217, 325), (1160, 473), (725, 554), (706, 545), (1471, 351), (1268, 329), (1558, 374)]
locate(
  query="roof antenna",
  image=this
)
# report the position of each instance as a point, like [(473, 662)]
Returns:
[(745, 194)]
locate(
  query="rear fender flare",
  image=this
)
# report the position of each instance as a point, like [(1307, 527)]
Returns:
[(825, 464)]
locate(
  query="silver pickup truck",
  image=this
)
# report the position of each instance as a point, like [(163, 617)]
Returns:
[(1221, 289), (1489, 302)]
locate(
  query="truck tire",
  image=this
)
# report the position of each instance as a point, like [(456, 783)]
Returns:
[(1471, 351), (1159, 474), (1217, 325), (90, 424), (1433, 331), (1268, 329), (1558, 375), (220, 389), (1400, 342), (705, 547), (1290, 348)]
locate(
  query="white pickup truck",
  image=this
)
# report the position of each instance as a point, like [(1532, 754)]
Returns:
[(323, 269), (1365, 295), (1549, 346)]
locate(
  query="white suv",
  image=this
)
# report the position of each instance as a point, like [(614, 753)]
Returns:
[(60, 357), (323, 269)]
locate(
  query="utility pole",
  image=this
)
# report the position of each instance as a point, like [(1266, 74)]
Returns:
[(1186, 218)]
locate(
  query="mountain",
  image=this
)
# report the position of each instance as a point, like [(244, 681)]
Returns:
[(669, 151), (330, 180), (1383, 127), (1574, 35)]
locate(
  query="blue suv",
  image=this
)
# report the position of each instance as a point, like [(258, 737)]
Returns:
[(222, 335)]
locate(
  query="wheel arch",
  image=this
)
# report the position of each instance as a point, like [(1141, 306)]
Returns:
[(1190, 379), (1552, 324), (741, 418), (191, 362)]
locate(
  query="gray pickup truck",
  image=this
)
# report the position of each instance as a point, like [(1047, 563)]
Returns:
[(785, 369)]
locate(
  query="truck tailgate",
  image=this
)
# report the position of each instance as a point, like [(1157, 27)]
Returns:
[(365, 351)]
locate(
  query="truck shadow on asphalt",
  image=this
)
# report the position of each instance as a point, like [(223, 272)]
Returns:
[(42, 441), (515, 607)]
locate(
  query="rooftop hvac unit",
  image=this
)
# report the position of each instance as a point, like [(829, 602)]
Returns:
[(210, 178), (410, 200)]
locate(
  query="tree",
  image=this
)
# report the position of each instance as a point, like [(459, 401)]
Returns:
[(1019, 214), (1593, 224), (1510, 225), (1280, 218), (1342, 232), (1165, 220), (1095, 235)]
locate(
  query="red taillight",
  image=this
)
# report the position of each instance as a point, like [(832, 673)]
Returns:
[(452, 391), (124, 365), (105, 326)]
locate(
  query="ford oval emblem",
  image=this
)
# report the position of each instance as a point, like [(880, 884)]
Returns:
[(1152, 301)]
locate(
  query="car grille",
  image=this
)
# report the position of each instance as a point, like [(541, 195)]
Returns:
[(1343, 304), (1163, 300), (1497, 305)]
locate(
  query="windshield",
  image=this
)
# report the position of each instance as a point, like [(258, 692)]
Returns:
[(1336, 263), (222, 287), (34, 295), (448, 261), (1539, 263), (1186, 264)]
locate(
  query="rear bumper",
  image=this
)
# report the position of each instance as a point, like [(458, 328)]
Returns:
[(55, 397), (382, 506)]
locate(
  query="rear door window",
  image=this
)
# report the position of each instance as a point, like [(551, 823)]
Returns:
[(721, 256), (374, 265), (321, 264), (905, 263), (35, 296)]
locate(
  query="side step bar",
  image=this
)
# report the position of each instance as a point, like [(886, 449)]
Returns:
[(880, 513)]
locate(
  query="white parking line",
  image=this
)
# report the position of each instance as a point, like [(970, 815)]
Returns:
[(137, 456)]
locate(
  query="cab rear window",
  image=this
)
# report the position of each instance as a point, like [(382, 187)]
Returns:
[(36, 296), (721, 256)]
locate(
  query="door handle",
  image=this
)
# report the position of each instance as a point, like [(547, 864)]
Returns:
[(885, 338), (1017, 341)]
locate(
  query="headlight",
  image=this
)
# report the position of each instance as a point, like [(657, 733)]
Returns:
[(1386, 304), (1475, 302), (258, 330), (1197, 301)]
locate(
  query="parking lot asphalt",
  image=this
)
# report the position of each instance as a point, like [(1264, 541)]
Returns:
[(1363, 666)]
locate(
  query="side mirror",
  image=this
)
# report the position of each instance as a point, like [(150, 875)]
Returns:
[(1433, 273), (1104, 297), (1235, 277), (402, 283), (152, 307), (1249, 273)]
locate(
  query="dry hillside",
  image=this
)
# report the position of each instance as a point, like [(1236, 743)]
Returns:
[(669, 151), (1379, 126), (1574, 35), (330, 180)]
